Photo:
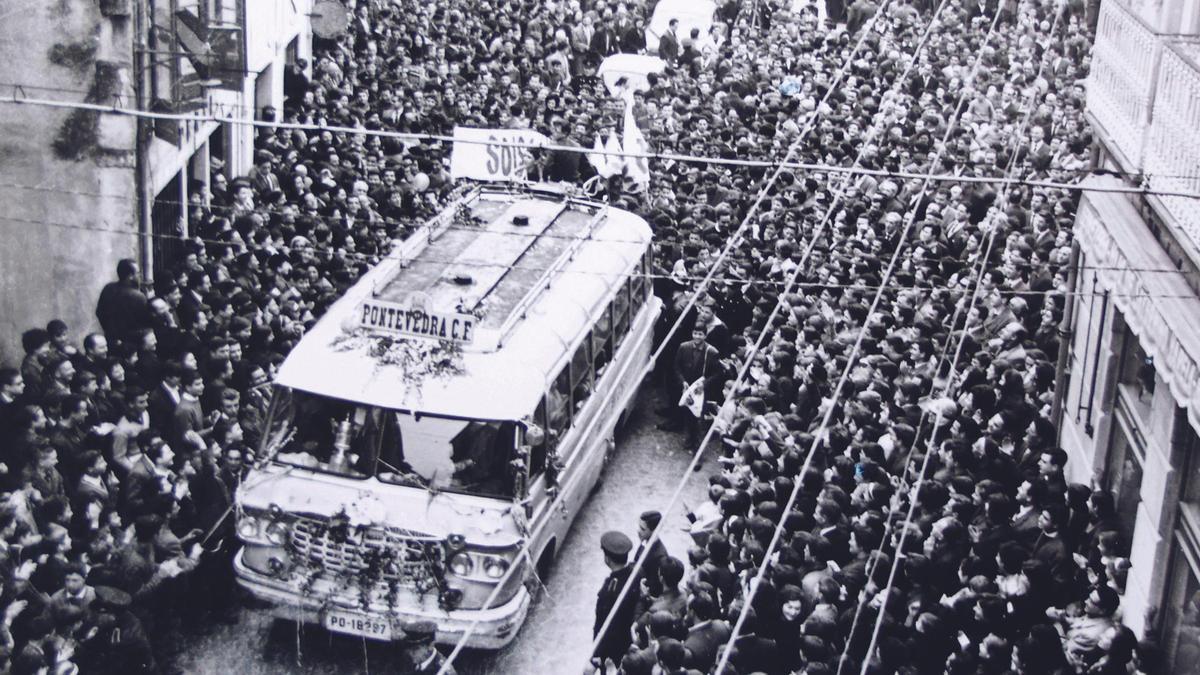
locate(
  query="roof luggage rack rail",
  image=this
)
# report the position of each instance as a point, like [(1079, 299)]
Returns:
[(410, 248), (563, 208), (543, 283)]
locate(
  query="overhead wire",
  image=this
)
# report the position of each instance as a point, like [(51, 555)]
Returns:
[(327, 253), (1130, 175), (876, 557), (818, 436), (914, 492), (556, 147), (694, 296), (744, 367), (344, 221)]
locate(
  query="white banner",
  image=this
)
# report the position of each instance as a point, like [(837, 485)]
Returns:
[(486, 157)]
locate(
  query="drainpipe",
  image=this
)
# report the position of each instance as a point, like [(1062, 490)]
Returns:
[(1064, 339), (141, 166)]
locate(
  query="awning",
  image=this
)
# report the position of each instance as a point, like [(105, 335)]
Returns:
[(1159, 306)]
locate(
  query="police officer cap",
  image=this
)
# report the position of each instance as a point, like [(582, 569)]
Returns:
[(651, 518), (113, 598), (420, 632), (615, 543)]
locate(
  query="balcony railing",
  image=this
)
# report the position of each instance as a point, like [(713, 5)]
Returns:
[(1143, 96), (1120, 87), (1172, 151)]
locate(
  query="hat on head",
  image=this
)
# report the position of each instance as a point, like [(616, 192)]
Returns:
[(615, 543), (651, 518), (112, 598), (420, 632)]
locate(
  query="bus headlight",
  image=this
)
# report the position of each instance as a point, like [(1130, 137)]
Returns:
[(248, 527), (277, 533), (494, 567), (461, 564)]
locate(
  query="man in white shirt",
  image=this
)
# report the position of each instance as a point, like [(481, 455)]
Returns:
[(135, 420)]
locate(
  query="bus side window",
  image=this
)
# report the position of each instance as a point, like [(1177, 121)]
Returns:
[(602, 339), (558, 408), (581, 374), (620, 314), (537, 453), (637, 295)]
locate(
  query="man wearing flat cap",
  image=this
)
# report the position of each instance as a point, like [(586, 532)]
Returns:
[(614, 644), (420, 654)]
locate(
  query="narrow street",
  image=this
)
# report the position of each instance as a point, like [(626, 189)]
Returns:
[(557, 635)]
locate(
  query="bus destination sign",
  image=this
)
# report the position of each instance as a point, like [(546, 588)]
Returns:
[(416, 320)]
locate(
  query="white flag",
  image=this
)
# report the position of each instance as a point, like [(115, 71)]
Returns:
[(614, 159), (597, 158), (638, 168)]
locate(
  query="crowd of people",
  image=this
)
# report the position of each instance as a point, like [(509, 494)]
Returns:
[(122, 449)]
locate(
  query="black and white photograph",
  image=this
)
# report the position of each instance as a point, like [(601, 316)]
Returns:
[(600, 337)]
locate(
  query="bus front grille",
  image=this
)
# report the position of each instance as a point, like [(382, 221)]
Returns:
[(394, 556)]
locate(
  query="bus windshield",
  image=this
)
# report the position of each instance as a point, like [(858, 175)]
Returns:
[(359, 441)]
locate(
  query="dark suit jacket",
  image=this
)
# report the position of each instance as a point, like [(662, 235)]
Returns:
[(615, 643), (694, 360), (639, 661), (1025, 528), (142, 490), (757, 654), (122, 309), (604, 43), (668, 47), (702, 642), (649, 569)]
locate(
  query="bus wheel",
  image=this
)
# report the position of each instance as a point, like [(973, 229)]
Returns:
[(546, 561), (537, 581)]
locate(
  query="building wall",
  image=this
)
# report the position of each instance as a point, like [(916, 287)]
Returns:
[(61, 244), (1134, 361)]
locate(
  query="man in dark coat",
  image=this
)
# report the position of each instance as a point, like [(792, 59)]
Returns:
[(694, 360), (421, 655), (668, 44), (647, 522), (614, 644), (123, 308)]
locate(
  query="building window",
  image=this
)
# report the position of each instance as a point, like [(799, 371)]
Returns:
[(1124, 476), (1181, 616), (1181, 602), (1089, 328), (1136, 380), (1188, 443)]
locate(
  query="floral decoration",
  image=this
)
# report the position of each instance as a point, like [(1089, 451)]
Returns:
[(418, 360)]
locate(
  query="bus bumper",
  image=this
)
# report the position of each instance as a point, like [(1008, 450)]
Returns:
[(497, 625)]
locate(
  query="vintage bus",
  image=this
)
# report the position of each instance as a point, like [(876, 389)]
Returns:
[(446, 419)]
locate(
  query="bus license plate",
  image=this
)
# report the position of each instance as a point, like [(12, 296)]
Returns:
[(358, 624)]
